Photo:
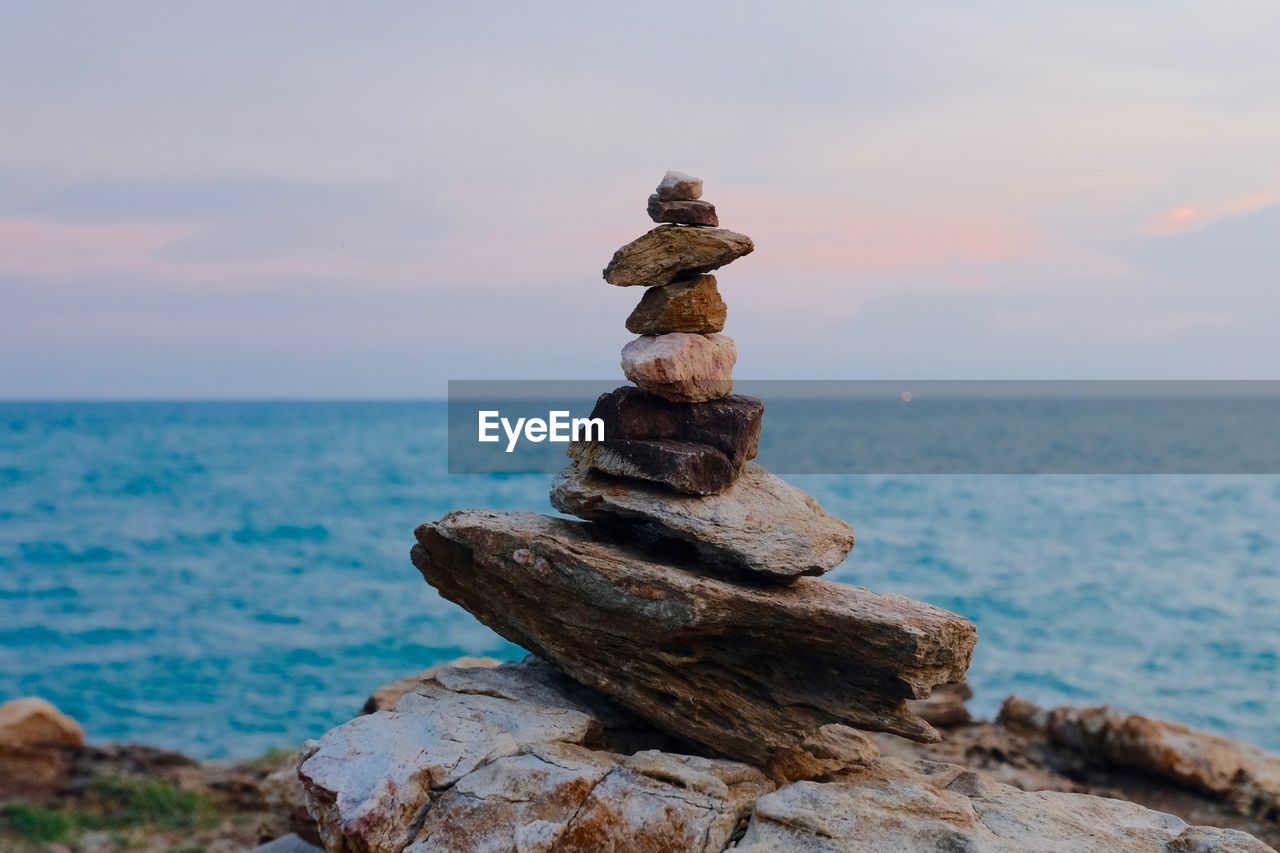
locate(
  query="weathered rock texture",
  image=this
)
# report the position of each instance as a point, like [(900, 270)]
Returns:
[(749, 671), (693, 306), (585, 791), (499, 759), (1245, 777), (759, 524), (682, 212), (670, 252), (695, 448), (386, 696), (568, 798), (677, 186), (887, 805), (685, 466), (680, 367)]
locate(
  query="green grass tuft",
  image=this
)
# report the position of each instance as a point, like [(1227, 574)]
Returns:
[(39, 825), (127, 801)]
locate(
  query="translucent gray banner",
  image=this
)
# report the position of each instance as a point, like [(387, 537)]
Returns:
[(916, 427)]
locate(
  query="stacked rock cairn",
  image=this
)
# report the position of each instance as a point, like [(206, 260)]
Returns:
[(685, 599)]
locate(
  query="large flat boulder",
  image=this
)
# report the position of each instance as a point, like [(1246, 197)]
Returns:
[(671, 252), (759, 525), (886, 805), (514, 758), (753, 671)]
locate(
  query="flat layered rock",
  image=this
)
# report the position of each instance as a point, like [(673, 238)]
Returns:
[(677, 186), (1234, 772), (750, 671), (695, 448), (680, 367), (670, 252), (888, 805), (682, 212), (693, 306), (759, 525)]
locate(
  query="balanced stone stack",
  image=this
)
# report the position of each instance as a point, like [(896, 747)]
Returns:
[(684, 596)]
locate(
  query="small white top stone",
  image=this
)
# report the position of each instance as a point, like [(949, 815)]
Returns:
[(677, 186)]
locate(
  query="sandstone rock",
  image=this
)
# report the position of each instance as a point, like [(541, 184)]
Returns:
[(670, 252), (680, 367), (568, 798), (759, 524), (1234, 772), (888, 805), (695, 448), (32, 721), (693, 306), (386, 696), (497, 759), (35, 740), (682, 212), (677, 186), (750, 671), (368, 781)]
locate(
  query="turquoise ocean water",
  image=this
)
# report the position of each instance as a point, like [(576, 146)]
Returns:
[(223, 578)]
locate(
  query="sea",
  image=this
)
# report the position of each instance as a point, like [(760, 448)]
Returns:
[(224, 578)]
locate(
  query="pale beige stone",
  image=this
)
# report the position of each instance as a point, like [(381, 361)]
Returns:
[(681, 367)]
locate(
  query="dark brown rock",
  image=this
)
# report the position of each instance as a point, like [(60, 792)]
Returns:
[(682, 212), (669, 252), (750, 671), (685, 466), (684, 306), (696, 448)]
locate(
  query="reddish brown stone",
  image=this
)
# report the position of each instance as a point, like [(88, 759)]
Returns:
[(691, 306), (683, 212)]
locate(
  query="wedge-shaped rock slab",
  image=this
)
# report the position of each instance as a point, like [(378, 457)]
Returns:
[(693, 306), (759, 524), (695, 448), (680, 367), (751, 671), (887, 805), (670, 252)]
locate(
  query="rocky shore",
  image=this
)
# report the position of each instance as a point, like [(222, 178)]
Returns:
[(693, 683)]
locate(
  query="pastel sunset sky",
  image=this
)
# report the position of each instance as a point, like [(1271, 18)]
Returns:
[(248, 199)]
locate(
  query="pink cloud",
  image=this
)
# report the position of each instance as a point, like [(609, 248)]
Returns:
[(824, 235), (1186, 217)]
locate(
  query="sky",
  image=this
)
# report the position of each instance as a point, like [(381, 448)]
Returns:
[(342, 200)]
